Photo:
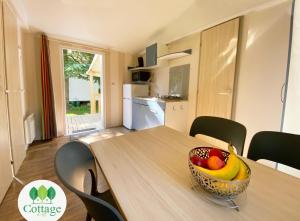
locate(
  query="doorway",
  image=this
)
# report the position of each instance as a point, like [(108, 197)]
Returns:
[(83, 78)]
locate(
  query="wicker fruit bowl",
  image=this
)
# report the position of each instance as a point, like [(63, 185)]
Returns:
[(217, 187)]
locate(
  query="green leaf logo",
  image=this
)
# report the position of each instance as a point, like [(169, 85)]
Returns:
[(33, 193), (42, 192), (41, 200), (51, 194)]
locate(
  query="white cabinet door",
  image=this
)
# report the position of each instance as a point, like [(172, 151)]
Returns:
[(148, 115), (291, 123), (156, 113), (139, 118), (176, 116)]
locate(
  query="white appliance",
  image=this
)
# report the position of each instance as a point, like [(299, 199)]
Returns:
[(130, 91)]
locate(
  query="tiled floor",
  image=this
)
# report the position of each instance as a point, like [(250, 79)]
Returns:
[(81, 123), (39, 164)]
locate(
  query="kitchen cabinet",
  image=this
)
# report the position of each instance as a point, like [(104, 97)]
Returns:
[(147, 114), (176, 115)]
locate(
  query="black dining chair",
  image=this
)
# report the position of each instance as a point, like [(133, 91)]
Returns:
[(74, 163), (223, 129), (279, 147)]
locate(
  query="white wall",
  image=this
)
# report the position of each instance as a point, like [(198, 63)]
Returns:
[(262, 69), (32, 78), (292, 110)]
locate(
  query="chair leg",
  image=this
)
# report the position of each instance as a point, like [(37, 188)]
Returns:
[(94, 183), (88, 217)]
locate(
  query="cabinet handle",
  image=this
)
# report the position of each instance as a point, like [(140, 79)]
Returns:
[(174, 108), (282, 93)]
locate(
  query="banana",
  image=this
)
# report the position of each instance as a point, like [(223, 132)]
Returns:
[(229, 171), (242, 174)]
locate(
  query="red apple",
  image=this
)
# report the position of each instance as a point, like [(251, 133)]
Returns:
[(198, 161), (215, 163), (216, 152)]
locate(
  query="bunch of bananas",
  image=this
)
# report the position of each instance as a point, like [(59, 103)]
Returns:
[(235, 168)]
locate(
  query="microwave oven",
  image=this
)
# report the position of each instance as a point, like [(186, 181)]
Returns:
[(140, 76)]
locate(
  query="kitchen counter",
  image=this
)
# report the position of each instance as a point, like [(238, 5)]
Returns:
[(162, 100)]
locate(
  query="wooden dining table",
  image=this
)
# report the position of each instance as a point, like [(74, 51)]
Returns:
[(149, 177)]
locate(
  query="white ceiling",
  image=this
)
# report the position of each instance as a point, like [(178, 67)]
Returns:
[(121, 24), (126, 25)]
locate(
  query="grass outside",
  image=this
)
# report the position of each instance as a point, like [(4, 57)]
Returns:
[(80, 109)]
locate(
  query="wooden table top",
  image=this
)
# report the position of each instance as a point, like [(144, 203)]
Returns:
[(149, 176)]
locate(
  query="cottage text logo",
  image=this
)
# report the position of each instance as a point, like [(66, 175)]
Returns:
[(42, 200)]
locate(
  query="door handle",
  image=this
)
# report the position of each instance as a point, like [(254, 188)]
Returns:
[(153, 111), (282, 94), (225, 92), (14, 91)]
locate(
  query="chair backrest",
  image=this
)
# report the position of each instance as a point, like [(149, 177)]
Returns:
[(279, 147), (72, 163), (223, 129)]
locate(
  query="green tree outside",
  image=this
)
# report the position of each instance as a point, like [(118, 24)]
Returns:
[(76, 64)]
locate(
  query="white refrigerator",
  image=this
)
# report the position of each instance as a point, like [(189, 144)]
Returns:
[(130, 91)]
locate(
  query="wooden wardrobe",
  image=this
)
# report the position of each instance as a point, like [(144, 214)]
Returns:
[(12, 140), (217, 69)]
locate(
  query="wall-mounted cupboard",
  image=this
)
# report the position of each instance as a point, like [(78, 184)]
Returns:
[(158, 54)]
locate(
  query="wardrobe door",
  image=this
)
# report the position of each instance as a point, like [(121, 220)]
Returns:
[(14, 87), (5, 157), (217, 69)]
